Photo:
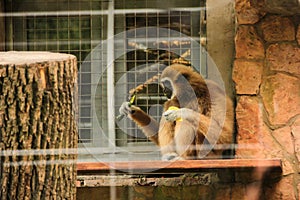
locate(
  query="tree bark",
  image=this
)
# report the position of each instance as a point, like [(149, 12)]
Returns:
[(38, 134)]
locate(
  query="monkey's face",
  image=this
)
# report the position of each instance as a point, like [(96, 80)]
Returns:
[(174, 84), (177, 82), (168, 88)]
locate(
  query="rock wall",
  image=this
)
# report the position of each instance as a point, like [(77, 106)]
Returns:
[(206, 186), (266, 73)]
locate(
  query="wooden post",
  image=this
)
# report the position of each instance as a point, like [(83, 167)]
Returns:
[(38, 134)]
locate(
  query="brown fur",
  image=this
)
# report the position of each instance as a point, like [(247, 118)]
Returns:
[(201, 109)]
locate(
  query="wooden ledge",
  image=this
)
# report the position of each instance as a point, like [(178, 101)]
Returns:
[(178, 166)]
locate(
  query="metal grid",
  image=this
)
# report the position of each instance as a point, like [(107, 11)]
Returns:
[(146, 47), (160, 52), (70, 26), (77, 27)]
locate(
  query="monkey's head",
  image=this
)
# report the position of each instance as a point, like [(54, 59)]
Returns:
[(185, 84), (167, 87)]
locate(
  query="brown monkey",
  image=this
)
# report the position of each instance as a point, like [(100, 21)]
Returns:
[(198, 118)]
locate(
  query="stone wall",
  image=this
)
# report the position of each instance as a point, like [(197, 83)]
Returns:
[(266, 73), (206, 186)]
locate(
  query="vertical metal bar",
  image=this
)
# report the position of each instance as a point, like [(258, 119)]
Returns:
[(203, 53), (9, 34), (110, 75)]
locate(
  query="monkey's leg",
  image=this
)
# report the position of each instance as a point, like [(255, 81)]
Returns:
[(218, 135), (185, 136), (166, 140), (215, 132)]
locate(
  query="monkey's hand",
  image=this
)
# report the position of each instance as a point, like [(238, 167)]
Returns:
[(126, 109), (173, 114)]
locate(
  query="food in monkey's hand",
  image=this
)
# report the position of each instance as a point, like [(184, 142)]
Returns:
[(198, 118)]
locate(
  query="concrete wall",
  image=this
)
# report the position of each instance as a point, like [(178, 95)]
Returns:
[(220, 39)]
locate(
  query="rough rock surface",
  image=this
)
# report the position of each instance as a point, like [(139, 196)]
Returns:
[(248, 44), (247, 76), (276, 28), (284, 57), (280, 94)]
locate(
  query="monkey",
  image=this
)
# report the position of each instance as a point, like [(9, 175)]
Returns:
[(197, 120)]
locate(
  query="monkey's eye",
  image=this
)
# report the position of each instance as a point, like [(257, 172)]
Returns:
[(167, 88)]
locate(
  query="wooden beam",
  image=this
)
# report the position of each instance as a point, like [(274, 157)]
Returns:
[(178, 166)]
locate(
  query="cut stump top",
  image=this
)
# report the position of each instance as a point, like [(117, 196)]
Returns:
[(29, 57)]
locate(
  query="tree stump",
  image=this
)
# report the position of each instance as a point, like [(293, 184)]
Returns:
[(38, 134)]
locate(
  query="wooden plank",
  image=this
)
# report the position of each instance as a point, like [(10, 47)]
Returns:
[(183, 165)]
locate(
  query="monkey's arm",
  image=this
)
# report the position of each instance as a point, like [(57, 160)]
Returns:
[(214, 130), (146, 123)]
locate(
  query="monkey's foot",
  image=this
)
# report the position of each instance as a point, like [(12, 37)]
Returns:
[(171, 156)]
